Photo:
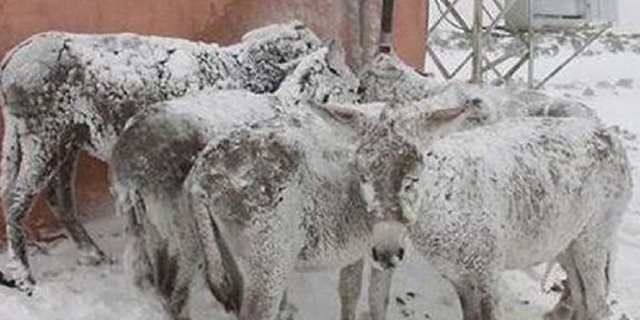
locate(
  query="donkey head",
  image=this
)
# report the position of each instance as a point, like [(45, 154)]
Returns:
[(321, 77), (388, 162), (280, 42), (387, 79), (263, 53)]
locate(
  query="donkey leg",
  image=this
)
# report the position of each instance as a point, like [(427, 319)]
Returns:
[(379, 289), (488, 298), (168, 261), (25, 174), (265, 280), (571, 304), (470, 298), (592, 255), (61, 200), (349, 288), (563, 310)]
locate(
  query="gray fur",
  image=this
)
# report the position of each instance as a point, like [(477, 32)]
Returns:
[(284, 200), (499, 197), (301, 188), (158, 148), (387, 79), (63, 93)]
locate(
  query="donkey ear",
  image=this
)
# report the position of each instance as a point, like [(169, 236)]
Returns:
[(351, 116), (336, 52), (448, 114), (289, 66)]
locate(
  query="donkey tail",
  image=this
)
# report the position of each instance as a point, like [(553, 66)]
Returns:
[(222, 271)]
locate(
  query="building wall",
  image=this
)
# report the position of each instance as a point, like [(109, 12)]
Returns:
[(222, 21)]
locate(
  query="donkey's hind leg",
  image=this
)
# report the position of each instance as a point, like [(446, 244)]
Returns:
[(29, 162), (592, 257), (60, 197), (264, 284), (156, 264), (563, 310), (572, 303)]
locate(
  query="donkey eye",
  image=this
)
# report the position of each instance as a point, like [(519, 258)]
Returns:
[(408, 186), (411, 181), (332, 70)]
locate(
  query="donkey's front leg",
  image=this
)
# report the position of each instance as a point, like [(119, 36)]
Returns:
[(349, 289), (379, 288), (477, 296), (61, 200)]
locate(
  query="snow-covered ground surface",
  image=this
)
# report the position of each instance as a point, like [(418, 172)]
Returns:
[(607, 81)]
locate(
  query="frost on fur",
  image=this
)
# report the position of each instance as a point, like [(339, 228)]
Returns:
[(64, 92), (503, 196), (387, 79), (158, 149)]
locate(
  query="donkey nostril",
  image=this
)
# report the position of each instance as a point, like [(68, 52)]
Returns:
[(374, 253), (401, 253)]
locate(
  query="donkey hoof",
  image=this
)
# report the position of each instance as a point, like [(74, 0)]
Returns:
[(18, 278), (26, 285)]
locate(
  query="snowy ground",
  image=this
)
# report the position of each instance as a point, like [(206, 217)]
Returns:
[(610, 82)]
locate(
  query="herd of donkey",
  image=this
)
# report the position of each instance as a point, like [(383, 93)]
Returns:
[(247, 163)]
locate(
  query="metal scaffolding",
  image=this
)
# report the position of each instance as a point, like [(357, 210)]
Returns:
[(494, 16)]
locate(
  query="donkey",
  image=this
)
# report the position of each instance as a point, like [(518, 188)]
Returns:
[(151, 160), (276, 199), (283, 197), (505, 196), (63, 93), (293, 168)]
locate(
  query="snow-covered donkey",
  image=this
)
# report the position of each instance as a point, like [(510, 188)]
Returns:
[(499, 197), (63, 93), (276, 199), (151, 160), (284, 197), (387, 79), (258, 185)]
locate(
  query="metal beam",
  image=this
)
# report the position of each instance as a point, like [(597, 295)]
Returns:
[(476, 75), (439, 64), (442, 16), (456, 15), (573, 56), (462, 64), (507, 76)]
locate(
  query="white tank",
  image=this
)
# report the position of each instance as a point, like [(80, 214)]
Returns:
[(559, 14)]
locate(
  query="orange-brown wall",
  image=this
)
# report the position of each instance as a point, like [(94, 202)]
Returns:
[(222, 21)]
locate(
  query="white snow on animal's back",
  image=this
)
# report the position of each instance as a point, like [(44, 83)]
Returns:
[(102, 80), (528, 198)]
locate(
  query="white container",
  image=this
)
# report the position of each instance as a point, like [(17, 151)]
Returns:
[(560, 14)]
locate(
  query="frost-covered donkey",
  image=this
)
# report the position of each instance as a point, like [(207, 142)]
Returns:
[(63, 93), (299, 169), (505, 196), (274, 200), (283, 197), (387, 79), (151, 160)]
